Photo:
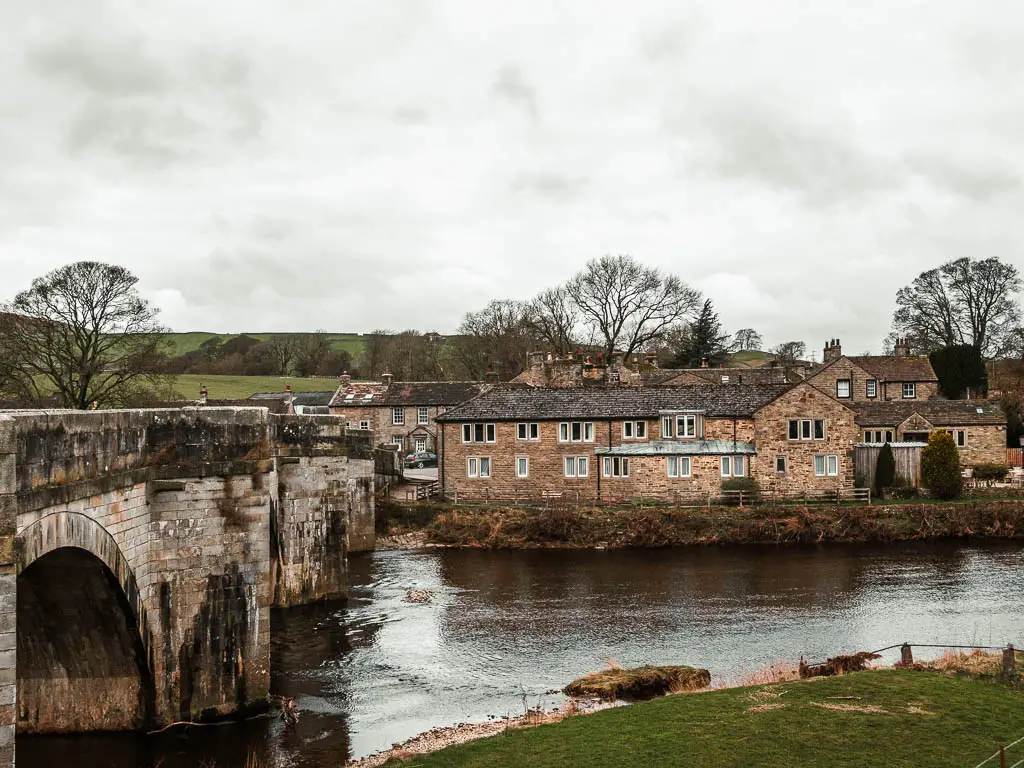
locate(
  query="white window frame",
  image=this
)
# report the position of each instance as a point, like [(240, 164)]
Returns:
[(475, 467), (725, 466), (575, 466), (667, 426), (582, 466), (741, 462), (911, 388), (634, 430), (867, 437), (613, 463), (871, 388), (398, 440), (957, 434), (417, 442), (423, 415), (849, 389), (888, 436), (528, 430), (688, 422), (567, 430), (398, 417), (364, 424), (829, 465), (522, 466), (488, 432), (675, 464)]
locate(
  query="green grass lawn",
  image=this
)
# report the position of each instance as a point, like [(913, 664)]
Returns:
[(240, 387), (898, 718)]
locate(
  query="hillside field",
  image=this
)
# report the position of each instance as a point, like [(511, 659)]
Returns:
[(191, 341), (240, 387)]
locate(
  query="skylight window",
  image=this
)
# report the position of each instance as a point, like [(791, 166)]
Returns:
[(980, 410), (368, 397), (350, 397)]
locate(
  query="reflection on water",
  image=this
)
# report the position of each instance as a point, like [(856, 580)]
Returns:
[(504, 625)]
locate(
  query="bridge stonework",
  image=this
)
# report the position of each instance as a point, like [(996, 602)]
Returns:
[(141, 552)]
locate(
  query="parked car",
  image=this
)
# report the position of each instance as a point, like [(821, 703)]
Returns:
[(421, 459)]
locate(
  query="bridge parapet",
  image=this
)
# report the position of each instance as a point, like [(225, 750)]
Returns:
[(200, 517)]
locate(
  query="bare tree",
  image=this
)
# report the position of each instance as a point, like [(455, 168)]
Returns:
[(789, 352), (747, 338), (500, 335), (554, 318), (628, 306), (282, 349), (965, 301), (311, 351), (83, 334)]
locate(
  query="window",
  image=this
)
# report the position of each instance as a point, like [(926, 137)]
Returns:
[(398, 440), (398, 416), (364, 424), (960, 435), (909, 390), (678, 466), (422, 415), (871, 388), (666, 426), (616, 466), (867, 437), (634, 430), (522, 466), (478, 466), (888, 436), (576, 431), (478, 433), (826, 465), (527, 432), (843, 388), (733, 466), (421, 444), (576, 466), (686, 426), (806, 429), (780, 464)]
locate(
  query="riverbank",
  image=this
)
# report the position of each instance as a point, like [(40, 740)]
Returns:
[(521, 527), (875, 718)]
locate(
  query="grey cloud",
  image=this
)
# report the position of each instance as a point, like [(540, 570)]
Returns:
[(410, 115), (111, 67), (143, 133), (975, 180), (510, 84), (549, 184)]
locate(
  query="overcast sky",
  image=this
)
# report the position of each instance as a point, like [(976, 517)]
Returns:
[(351, 165)]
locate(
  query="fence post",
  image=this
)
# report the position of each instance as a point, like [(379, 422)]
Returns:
[(906, 656), (1009, 661), (869, 495)]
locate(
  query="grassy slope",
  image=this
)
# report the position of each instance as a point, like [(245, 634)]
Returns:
[(969, 719), (240, 387), (751, 357), (189, 342)]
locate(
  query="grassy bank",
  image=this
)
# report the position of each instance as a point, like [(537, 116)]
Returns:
[(512, 527), (241, 387), (879, 718)]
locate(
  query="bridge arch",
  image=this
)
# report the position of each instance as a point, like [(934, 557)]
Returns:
[(83, 639)]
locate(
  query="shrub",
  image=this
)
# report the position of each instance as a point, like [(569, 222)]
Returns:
[(990, 471), (748, 485), (903, 491), (940, 466), (885, 470), (639, 683)]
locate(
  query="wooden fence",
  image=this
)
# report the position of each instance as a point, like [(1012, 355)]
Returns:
[(1014, 457), (908, 464), (547, 497)]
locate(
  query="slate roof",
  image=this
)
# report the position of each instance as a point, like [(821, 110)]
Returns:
[(745, 375), (312, 398), (678, 448), (941, 413), (413, 393), (890, 368), (519, 403)]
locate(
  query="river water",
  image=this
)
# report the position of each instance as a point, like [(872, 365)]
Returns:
[(507, 627)]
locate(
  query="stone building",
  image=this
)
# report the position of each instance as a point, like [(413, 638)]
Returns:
[(401, 413), (875, 378), (625, 442), (977, 426)]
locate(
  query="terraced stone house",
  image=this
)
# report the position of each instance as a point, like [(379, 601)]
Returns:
[(875, 378)]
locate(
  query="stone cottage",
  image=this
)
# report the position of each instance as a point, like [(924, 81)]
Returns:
[(875, 378), (400, 413)]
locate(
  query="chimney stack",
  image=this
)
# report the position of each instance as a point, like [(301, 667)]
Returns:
[(901, 348), (345, 379), (833, 351), (386, 378), (492, 375), (703, 362)]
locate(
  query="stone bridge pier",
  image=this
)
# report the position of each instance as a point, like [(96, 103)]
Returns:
[(141, 551)]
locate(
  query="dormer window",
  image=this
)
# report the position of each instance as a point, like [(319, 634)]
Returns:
[(909, 390)]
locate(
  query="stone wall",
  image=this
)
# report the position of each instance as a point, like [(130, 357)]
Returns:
[(172, 530), (825, 380)]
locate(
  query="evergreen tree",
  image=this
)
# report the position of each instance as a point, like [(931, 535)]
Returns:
[(940, 466), (885, 470), (703, 340), (959, 367)]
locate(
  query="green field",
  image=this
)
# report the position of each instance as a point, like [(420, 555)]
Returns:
[(879, 718), (240, 387), (191, 341), (751, 357)]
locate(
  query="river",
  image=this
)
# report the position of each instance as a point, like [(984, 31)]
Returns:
[(507, 627)]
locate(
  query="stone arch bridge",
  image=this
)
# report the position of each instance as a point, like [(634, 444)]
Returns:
[(141, 551)]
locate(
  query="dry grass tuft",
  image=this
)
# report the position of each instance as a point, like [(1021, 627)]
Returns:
[(868, 709), (638, 684), (976, 662), (779, 672), (767, 707)]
